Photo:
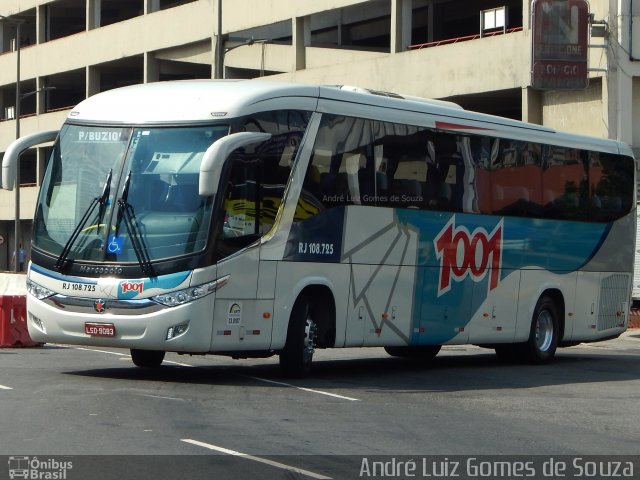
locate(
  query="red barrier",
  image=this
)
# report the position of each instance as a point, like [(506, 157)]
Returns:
[(13, 322)]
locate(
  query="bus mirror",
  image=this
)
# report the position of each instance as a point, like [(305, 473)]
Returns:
[(216, 156), (13, 152)]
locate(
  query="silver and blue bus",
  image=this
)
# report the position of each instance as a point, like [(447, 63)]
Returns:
[(254, 218)]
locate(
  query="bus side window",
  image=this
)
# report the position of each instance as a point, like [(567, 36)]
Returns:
[(401, 162), (564, 184), (611, 186), (341, 169), (516, 178)]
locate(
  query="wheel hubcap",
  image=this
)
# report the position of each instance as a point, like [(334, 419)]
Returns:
[(309, 345), (544, 331)]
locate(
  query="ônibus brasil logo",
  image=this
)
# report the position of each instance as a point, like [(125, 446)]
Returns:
[(462, 253)]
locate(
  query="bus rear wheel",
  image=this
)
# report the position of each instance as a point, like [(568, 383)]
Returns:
[(543, 336), (297, 354), (422, 352), (147, 358)]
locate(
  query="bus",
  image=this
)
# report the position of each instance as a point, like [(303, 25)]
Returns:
[(257, 218)]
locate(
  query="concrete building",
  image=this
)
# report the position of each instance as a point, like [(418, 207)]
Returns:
[(65, 50)]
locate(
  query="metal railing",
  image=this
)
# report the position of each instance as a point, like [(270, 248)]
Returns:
[(448, 41)]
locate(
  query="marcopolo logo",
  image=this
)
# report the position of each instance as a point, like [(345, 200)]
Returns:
[(33, 468), (463, 254)]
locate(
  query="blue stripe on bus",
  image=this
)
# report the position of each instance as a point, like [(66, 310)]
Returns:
[(439, 305), (557, 246), (129, 288), (62, 278)]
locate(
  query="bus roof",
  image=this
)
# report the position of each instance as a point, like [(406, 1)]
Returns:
[(186, 101), (202, 100)]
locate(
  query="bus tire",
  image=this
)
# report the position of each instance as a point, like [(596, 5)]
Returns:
[(543, 336), (422, 352), (147, 358), (297, 354)]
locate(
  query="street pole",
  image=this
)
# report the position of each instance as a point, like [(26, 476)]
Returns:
[(219, 53), (17, 232)]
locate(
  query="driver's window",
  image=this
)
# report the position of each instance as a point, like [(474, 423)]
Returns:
[(240, 206)]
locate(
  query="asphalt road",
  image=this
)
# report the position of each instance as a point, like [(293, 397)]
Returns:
[(213, 417)]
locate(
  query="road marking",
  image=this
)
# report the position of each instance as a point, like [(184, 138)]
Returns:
[(125, 356), (93, 350), (256, 459), (159, 396), (177, 363), (311, 390), (282, 384), (2, 387)]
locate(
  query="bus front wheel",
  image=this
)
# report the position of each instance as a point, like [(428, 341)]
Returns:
[(297, 354), (147, 358), (543, 336)]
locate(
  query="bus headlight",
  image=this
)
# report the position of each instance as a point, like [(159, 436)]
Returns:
[(38, 291), (180, 297)]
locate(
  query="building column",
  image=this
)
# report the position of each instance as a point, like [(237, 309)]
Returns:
[(151, 6), (151, 68), (92, 80), (41, 163), (301, 34), (526, 16), (94, 19), (618, 93), (41, 24), (4, 248), (531, 106), (40, 95), (217, 44), (3, 27), (401, 12)]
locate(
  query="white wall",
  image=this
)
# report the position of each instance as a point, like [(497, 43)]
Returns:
[(13, 284), (580, 112)]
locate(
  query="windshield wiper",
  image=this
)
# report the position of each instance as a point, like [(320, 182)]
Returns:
[(101, 200), (126, 213)]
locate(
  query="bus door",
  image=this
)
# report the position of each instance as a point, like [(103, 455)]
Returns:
[(242, 318), (380, 305), (244, 306), (382, 278)]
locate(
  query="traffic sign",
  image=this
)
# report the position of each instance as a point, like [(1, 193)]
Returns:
[(560, 44)]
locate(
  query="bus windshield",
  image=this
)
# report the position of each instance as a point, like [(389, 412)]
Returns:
[(116, 193)]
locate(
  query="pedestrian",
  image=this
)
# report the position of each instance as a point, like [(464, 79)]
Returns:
[(20, 258)]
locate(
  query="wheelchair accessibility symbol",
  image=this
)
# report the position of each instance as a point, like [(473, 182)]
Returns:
[(114, 244)]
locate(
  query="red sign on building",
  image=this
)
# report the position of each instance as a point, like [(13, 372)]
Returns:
[(560, 44)]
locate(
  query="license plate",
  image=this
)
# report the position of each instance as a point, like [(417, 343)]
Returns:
[(100, 329)]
